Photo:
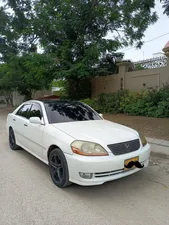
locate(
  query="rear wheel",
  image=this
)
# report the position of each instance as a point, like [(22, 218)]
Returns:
[(58, 168), (12, 140)]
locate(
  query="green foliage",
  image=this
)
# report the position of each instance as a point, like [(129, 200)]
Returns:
[(111, 102), (107, 103), (133, 104), (76, 89), (165, 6), (92, 103), (58, 83), (8, 45), (74, 34), (152, 103), (76, 31), (139, 67), (27, 74)]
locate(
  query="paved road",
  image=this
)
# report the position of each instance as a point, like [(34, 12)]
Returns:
[(27, 195)]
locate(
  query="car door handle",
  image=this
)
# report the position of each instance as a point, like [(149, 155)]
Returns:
[(14, 119), (25, 125)]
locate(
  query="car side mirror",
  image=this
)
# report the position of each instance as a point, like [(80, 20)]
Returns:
[(35, 120), (101, 115)]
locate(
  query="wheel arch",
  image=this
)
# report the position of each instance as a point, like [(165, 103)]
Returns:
[(50, 149), (9, 127)]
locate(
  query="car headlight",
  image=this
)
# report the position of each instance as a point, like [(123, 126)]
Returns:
[(88, 148), (143, 139)]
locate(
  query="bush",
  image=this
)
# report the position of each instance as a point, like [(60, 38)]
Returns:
[(92, 103), (133, 104), (152, 102), (110, 103)]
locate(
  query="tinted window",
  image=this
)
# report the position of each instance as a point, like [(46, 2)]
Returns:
[(23, 111), (35, 111), (60, 112)]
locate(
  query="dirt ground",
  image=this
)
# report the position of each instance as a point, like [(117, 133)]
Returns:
[(150, 127)]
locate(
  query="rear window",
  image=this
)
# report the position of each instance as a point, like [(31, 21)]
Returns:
[(60, 112)]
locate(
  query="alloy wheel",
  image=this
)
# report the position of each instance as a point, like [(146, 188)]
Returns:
[(57, 169)]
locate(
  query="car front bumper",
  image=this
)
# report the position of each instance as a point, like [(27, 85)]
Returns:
[(103, 168)]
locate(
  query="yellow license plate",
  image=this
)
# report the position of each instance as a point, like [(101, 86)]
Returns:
[(126, 162)]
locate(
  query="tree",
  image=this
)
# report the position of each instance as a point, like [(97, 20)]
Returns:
[(27, 73), (8, 45), (75, 31), (7, 85), (15, 35), (166, 6)]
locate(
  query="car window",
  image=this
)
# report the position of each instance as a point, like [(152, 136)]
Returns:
[(35, 111), (23, 111), (60, 112)]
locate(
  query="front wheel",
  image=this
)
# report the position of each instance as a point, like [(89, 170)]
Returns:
[(58, 168)]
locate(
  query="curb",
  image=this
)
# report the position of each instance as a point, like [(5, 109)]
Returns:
[(159, 146)]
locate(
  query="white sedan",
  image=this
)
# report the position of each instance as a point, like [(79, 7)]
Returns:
[(76, 142)]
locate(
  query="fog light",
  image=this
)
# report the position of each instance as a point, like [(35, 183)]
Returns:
[(86, 175)]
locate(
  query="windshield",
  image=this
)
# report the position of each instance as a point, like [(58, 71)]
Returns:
[(62, 111)]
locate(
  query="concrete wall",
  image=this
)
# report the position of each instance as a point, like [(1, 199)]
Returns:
[(134, 81), (39, 94), (18, 99), (137, 80)]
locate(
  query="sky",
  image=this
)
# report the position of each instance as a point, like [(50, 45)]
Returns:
[(160, 28), (148, 49)]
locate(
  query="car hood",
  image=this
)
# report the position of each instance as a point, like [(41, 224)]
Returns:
[(100, 131)]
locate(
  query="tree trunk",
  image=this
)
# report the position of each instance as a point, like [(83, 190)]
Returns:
[(78, 89), (27, 94)]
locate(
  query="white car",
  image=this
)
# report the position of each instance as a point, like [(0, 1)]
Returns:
[(76, 142)]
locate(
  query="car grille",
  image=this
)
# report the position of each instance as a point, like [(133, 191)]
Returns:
[(124, 147)]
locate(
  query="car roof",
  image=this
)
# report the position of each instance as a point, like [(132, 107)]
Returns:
[(31, 101), (52, 101), (60, 101)]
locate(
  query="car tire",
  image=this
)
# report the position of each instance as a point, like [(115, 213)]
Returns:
[(12, 140), (58, 168)]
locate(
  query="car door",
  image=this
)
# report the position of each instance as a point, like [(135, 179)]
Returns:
[(18, 122), (33, 133)]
